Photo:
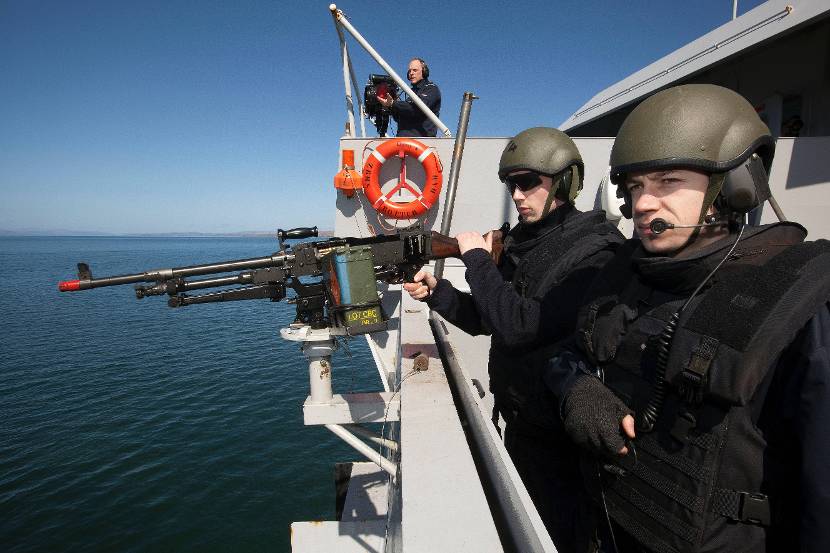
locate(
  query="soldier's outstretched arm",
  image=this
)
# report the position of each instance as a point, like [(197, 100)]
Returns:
[(455, 306), (519, 320)]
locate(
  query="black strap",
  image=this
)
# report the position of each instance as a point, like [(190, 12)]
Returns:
[(748, 507), (694, 378)]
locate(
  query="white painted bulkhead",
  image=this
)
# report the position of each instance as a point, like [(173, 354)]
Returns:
[(439, 503)]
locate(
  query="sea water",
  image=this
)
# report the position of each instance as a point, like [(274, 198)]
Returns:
[(129, 426)]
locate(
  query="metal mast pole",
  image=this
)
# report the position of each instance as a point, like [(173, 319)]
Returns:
[(455, 168), (360, 113), (350, 130), (348, 62)]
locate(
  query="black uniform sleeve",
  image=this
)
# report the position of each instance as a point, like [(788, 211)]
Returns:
[(811, 424), (401, 108), (430, 95), (457, 307), (794, 418), (515, 320), (564, 368)]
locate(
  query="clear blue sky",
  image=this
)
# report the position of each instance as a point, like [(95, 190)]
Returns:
[(214, 116)]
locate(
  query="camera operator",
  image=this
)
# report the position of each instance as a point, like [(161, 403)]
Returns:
[(411, 120)]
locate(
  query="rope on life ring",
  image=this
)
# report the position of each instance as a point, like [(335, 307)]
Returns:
[(424, 199)]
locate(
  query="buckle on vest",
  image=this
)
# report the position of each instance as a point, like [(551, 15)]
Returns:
[(586, 332), (739, 506), (626, 464), (683, 424), (695, 377), (754, 508)]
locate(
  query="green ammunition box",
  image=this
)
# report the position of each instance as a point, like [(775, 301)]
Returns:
[(354, 292)]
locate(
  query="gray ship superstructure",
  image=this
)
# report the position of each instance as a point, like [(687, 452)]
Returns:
[(439, 478)]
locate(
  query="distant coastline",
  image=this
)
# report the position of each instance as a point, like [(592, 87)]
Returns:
[(81, 233)]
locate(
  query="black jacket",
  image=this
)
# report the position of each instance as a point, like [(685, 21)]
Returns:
[(411, 120), (530, 301), (526, 304), (759, 413)]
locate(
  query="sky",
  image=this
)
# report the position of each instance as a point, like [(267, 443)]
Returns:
[(212, 116)]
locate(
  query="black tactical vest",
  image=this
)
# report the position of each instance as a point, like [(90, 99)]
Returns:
[(514, 373), (698, 482)]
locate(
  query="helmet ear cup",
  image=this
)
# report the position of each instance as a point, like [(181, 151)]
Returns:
[(746, 186), (568, 184), (625, 208), (622, 192), (563, 184), (576, 184)]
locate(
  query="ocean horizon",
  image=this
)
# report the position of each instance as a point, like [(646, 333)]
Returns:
[(129, 426)]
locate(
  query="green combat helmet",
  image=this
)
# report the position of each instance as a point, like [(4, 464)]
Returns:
[(549, 152), (704, 127)]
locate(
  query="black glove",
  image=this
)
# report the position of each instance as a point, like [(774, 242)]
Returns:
[(592, 414)]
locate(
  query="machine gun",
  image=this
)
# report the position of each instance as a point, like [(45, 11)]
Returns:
[(343, 300)]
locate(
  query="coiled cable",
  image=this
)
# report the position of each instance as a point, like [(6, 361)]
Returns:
[(648, 416)]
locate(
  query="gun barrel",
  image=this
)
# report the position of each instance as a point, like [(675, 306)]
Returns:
[(162, 275)]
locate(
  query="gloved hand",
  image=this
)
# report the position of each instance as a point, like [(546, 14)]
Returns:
[(593, 417)]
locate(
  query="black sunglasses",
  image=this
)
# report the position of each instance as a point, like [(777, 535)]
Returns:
[(523, 181)]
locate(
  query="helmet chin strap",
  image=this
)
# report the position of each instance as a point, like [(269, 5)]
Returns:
[(659, 226), (548, 203), (712, 191), (555, 185), (705, 218)]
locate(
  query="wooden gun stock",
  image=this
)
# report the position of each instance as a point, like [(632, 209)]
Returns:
[(446, 246)]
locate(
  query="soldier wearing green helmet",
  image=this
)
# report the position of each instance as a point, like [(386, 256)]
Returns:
[(527, 303), (709, 134), (699, 379)]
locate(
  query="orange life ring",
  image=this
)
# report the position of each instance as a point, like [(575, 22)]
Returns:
[(401, 147)]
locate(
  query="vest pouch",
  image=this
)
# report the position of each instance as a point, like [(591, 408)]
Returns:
[(759, 310), (635, 355), (663, 501)]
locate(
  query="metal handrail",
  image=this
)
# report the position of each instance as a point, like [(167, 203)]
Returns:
[(516, 529), (455, 168)]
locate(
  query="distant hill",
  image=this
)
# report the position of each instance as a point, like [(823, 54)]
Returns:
[(52, 232)]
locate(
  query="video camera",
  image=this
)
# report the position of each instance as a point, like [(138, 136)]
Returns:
[(379, 86)]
